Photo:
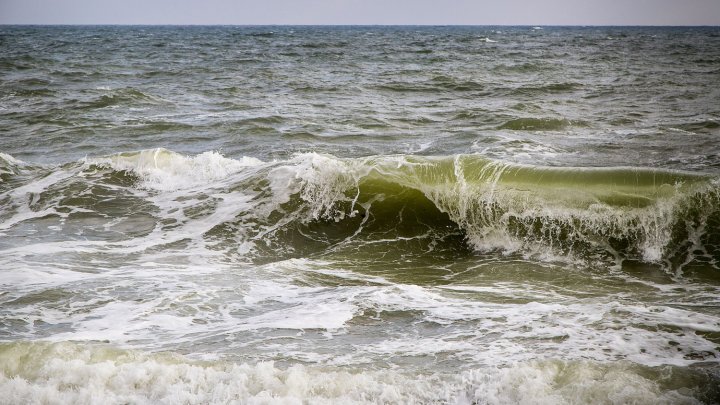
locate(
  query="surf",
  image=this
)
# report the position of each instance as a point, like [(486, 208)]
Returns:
[(80, 374), (312, 203)]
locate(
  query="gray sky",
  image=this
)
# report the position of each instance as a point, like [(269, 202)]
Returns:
[(481, 12)]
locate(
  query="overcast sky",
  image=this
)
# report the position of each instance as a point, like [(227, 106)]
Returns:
[(472, 12)]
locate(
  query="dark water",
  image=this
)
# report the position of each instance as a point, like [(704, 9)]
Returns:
[(359, 214)]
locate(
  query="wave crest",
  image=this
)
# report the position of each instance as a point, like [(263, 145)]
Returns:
[(161, 169), (312, 202)]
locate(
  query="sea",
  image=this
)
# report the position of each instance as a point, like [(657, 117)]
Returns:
[(359, 215)]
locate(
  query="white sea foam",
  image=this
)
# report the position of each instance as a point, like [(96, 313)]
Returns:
[(77, 374), (303, 307), (277, 297), (320, 180), (164, 170), (419, 146), (11, 160), (22, 198)]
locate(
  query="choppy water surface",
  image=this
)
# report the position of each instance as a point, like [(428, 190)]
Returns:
[(460, 215)]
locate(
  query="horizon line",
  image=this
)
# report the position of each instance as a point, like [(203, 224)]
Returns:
[(346, 25)]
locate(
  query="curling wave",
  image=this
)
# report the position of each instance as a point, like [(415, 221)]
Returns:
[(311, 203)]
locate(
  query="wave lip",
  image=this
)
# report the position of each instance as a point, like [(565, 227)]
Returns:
[(635, 212)]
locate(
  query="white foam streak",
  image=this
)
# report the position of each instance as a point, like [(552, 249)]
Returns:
[(303, 307)]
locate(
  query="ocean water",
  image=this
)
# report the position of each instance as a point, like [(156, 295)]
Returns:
[(461, 215)]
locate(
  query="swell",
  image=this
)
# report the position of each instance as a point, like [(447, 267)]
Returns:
[(436, 83), (314, 204), (126, 96), (540, 124)]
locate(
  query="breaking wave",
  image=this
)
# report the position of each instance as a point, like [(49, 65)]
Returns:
[(313, 202), (67, 373)]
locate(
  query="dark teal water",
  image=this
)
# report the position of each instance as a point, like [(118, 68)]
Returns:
[(359, 214)]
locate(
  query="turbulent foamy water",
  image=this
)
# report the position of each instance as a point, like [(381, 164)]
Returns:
[(466, 215)]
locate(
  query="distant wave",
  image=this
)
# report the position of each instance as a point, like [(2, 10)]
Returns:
[(540, 124), (125, 96)]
